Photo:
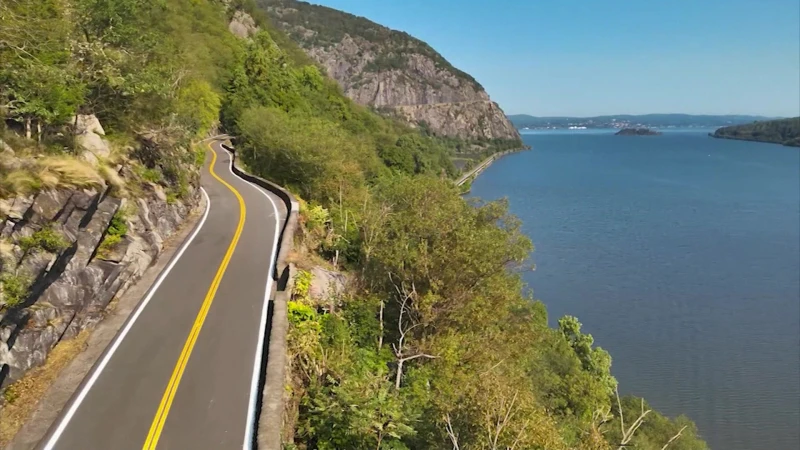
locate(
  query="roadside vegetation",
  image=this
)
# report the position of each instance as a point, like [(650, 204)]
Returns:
[(437, 344)]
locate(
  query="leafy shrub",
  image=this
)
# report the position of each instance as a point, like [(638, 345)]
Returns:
[(199, 156), (117, 228), (299, 312), (317, 216), (151, 175), (10, 395), (15, 288), (118, 225), (46, 239), (302, 284)]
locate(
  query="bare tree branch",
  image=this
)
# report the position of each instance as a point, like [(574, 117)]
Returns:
[(450, 432), (673, 438)]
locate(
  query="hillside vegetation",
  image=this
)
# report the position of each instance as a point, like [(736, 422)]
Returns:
[(436, 345), (782, 131)]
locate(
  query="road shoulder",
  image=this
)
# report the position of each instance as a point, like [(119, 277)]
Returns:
[(59, 393)]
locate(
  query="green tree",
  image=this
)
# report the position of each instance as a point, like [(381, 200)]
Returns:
[(198, 106), (595, 360)]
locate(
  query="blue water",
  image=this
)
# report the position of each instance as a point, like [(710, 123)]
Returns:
[(680, 253)]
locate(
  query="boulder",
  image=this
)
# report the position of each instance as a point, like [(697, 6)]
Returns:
[(326, 284), (242, 25), (87, 123), (94, 147), (8, 160)]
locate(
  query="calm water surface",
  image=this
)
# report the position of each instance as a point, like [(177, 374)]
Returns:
[(681, 255)]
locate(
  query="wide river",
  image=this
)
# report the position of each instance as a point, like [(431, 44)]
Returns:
[(680, 253)]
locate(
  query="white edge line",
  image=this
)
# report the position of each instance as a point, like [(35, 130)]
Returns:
[(262, 329), (98, 369)]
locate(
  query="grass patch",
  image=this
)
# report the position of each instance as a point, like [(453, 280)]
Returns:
[(31, 388), (15, 288), (46, 239), (199, 155), (117, 228), (107, 246), (151, 175), (19, 182)]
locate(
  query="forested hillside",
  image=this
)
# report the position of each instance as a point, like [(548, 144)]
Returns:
[(436, 343), (782, 131)]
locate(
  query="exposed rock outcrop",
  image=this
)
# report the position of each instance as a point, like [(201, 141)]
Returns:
[(392, 71), (71, 289), (326, 285), (88, 137), (56, 276), (462, 119), (242, 25)]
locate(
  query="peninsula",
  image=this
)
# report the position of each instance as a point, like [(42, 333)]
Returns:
[(782, 131)]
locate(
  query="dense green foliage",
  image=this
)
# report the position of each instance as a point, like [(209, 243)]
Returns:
[(440, 342), (15, 288), (783, 131), (152, 71), (436, 345), (331, 25), (46, 239)]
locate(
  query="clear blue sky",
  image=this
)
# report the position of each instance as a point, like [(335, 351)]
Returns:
[(592, 57)]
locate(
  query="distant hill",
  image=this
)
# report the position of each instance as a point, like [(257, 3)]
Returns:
[(629, 121), (783, 131)]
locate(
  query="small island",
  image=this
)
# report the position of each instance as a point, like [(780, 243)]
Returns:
[(637, 132)]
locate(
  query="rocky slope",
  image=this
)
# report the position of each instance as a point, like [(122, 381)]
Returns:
[(58, 276), (392, 71)]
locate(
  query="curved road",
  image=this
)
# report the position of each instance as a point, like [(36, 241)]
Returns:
[(183, 373)]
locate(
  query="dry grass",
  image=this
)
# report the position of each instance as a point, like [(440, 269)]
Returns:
[(5, 248), (71, 172), (27, 392), (19, 182), (49, 173), (113, 178)]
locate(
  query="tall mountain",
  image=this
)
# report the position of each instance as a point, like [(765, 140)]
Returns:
[(392, 71)]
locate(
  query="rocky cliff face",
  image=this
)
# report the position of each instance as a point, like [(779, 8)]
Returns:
[(391, 70), (67, 287)]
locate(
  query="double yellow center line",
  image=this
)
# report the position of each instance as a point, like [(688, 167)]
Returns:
[(169, 394)]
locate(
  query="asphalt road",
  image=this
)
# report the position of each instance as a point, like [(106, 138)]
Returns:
[(182, 373)]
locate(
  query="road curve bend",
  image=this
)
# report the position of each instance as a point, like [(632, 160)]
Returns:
[(184, 371)]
